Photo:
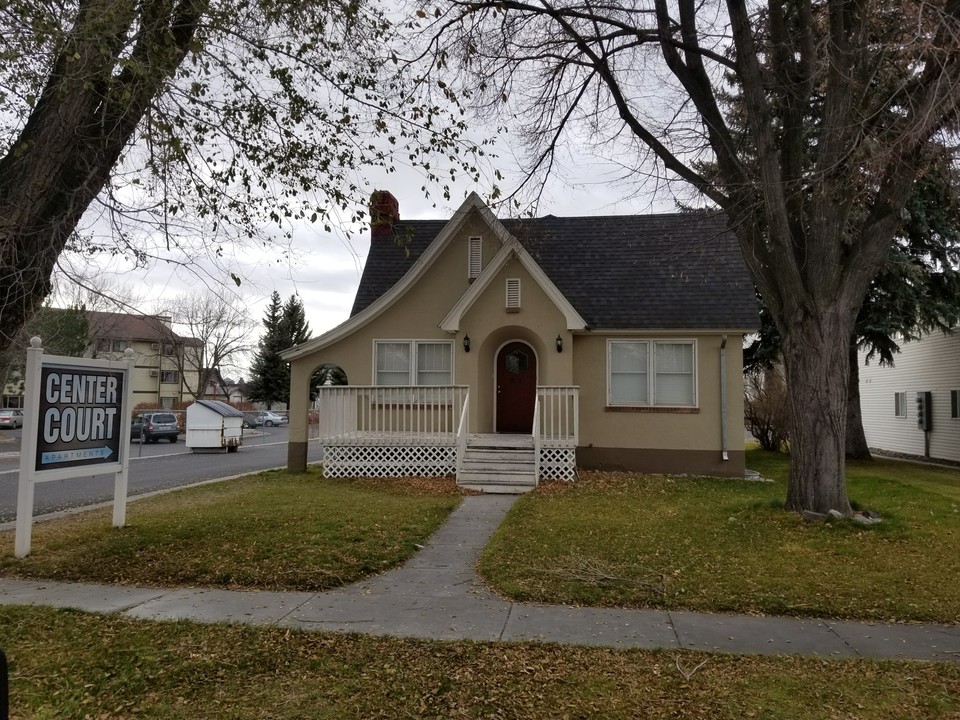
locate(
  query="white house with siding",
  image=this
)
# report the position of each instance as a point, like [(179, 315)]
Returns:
[(888, 397)]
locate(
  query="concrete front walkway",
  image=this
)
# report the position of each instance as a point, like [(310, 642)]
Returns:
[(437, 595)]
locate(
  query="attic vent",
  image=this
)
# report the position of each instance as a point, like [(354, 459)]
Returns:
[(513, 294), (475, 257)]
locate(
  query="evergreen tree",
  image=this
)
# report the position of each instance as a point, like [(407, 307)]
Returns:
[(285, 325), (269, 374), (296, 330), (295, 326)]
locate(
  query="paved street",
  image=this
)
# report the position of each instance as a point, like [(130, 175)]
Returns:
[(152, 467)]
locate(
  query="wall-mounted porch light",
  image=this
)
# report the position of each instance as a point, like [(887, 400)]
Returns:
[(466, 343), (559, 344)]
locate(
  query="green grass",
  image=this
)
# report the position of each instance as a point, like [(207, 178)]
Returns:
[(66, 664), (275, 531), (726, 545)]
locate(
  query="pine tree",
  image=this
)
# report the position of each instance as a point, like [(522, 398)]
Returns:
[(295, 326), (286, 325), (270, 375), (296, 330)]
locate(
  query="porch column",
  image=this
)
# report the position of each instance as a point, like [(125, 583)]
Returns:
[(300, 372)]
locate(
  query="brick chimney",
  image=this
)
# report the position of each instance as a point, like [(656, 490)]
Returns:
[(384, 213)]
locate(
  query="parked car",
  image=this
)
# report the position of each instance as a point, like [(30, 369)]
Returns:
[(155, 427), (270, 419), (252, 420), (11, 418)]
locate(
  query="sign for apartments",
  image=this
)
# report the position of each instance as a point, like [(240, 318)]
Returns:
[(79, 413), (76, 423)]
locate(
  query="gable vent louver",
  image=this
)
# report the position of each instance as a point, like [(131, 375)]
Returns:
[(475, 257), (513, 294)]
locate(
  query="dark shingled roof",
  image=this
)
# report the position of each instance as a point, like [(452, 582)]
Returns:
[(124, 326), (679, 270)]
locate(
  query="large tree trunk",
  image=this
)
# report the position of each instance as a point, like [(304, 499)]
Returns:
[(857, 448), (97, 92), (816, 362)]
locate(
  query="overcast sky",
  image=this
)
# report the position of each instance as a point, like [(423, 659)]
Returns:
[(324, 268)]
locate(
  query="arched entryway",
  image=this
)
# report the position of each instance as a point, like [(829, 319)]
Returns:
[(516, 384)]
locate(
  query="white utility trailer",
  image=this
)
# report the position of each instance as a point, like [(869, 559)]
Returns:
[(214, 426)]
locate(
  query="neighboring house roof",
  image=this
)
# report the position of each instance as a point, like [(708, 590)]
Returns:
[(679, 270), (134, 327)]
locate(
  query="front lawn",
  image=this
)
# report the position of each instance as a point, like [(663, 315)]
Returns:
[(726, 545), (272, 531), (66, 664)]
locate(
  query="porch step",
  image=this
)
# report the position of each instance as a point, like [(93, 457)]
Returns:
[(503, 464)]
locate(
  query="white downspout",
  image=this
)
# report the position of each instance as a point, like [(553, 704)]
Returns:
[(723, 397)]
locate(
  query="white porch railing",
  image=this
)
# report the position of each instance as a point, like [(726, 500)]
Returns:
[(390, 431), (559, 422), (356, 414), (557, 430), (536, 441), (462, 432)]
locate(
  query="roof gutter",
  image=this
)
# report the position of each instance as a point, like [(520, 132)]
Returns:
[(723, 398)]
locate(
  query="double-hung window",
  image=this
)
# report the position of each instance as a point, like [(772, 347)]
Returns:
[(413, 362), (644, 373), (900, 404), (629, 382), (433, 363)]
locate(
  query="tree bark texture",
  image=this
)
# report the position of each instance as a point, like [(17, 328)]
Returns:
[(857, 448), (115, 60), (816, 362)]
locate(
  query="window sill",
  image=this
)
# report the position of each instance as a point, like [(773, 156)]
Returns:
[(652, 409)]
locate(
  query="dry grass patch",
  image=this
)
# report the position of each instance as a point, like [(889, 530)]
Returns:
[(272, 531), (73, 665), (726, 545)]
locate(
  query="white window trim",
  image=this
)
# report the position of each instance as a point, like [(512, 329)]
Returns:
[(652, 371), (474, 256), (414, 344), (900, 398)]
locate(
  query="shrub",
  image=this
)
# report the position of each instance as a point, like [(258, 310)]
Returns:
[(766, 409)]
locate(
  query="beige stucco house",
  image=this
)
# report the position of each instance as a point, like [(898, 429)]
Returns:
[(611, 342)]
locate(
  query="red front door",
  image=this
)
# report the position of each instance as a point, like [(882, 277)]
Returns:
[(516, 388)]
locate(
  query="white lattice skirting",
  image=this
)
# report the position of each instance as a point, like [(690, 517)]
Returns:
[(558, 463), (388, 461)]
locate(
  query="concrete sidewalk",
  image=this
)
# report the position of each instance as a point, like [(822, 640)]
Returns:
[(437, 595)]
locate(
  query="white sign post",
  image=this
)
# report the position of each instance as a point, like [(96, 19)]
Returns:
[(76, 422)]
